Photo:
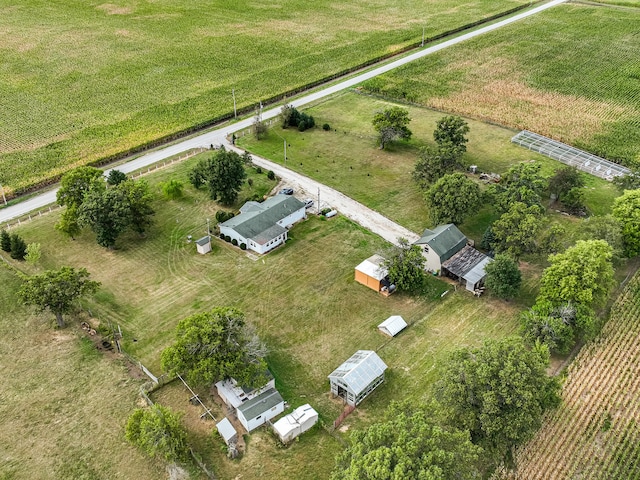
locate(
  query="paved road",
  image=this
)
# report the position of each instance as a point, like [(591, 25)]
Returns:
[(218, 136)]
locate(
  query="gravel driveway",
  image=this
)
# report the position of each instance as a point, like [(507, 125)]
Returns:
[(305, 187)]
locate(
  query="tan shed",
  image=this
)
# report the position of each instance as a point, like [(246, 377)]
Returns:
[(371, 272)]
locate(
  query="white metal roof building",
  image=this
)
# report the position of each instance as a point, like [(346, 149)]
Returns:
[(227, 431), (258, 410), (296, 423), (356, 378), (393, 325)]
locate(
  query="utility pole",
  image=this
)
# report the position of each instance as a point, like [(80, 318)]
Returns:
[(422, 44), (318, 207), (208, 228), (3, 197), (235, 113), (285, 152)]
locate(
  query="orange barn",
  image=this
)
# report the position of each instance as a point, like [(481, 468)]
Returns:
[(371, 272)]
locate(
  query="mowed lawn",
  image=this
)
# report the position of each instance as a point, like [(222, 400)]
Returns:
[(348, 158), (570, 72), (81, 80), (63, 404), (302, 298)]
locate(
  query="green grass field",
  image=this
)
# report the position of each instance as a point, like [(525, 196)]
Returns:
[(570, 72), (381, 179), (302, 298), (63, 404), (81, 80)]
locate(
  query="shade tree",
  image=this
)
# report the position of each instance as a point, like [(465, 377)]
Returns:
[(522, 183), (223, 173), (57, 290), (503, 276), (516, 231), (405, 265), (626, 209), (390, 124), (159, 432), (216, 345), (411, 443), (452, 130), (452, 198)]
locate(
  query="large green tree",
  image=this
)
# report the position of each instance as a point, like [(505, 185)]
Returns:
[(452, 198), (582, 275), (216, 345), (452, 130), (516, 231), (223, 173), (390, 124), (564, 180), (410, 444), (57, 290), (503, 276), (75, 184), (436, 161), (604, 227), (522, 183), (626, 209), (552, 326), (139, 198), (158, 431), (107, 213), (405, 264), (498, 392)]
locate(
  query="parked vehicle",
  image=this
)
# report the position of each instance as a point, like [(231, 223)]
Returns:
[(308, 202), (286, 191)]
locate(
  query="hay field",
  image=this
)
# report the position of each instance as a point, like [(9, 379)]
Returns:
[(63, 404), (302, 299), (81, 80), (570, 72), (595, 433)]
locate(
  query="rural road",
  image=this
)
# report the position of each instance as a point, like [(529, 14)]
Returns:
[(219, 135)]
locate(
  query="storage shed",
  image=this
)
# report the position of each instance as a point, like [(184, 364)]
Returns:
[(356, 378), (203, 245), (372, 273), (393, 325), (296, 423), (257, 411), (467, 266), (227, 431)]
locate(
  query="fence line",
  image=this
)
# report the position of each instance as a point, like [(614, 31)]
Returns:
[(161, 164), (345, 413)]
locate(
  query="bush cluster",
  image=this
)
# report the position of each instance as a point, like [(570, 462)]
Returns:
[(13, 244), (223, 216), (291, 117)]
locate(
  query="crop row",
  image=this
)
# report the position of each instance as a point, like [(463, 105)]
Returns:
[(595, 434)]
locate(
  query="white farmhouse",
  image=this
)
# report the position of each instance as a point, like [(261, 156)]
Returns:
[(255, 412), (261, 227)]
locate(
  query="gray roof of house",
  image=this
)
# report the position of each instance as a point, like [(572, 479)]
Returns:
[(203, 241), (362, 368), (260, 404), (445, 240), (257, 218), (464, 261)]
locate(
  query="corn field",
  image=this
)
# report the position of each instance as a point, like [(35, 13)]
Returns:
[(595, 433)]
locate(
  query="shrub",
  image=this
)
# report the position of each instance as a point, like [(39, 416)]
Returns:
[(243, 246), (33, 253), (227, 238), (159, 432), (116, 177), (234, 242), (271, 175), (18, 247), (5, 241), (250, 182), (258, 169), (326, 127), (172, 189), (221, 216), (222, 236), (302, 126)]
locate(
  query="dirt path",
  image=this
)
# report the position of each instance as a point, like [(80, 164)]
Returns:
[(305, 187)]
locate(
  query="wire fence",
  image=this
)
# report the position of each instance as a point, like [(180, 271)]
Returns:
[(585, 161)]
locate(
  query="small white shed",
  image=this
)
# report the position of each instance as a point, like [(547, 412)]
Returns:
[(392, 325), (296, 423), (203, 245), (257, 411), (227, 431)]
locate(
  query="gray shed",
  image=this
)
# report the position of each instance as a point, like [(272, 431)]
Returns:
[(356, 378), (203, 245)]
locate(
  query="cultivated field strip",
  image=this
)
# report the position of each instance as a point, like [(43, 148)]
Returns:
[(596, 431)]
